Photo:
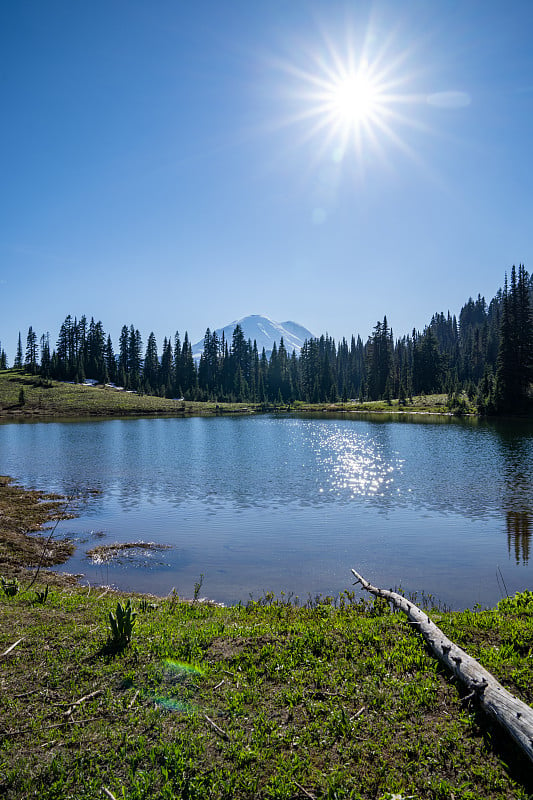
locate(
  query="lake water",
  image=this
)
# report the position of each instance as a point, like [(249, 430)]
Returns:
[(260, 504)]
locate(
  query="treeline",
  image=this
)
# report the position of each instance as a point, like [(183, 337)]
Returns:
[(485, 353)]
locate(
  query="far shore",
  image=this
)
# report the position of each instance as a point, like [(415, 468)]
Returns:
[(30, 398)]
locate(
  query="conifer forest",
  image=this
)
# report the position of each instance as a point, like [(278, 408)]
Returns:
[(486, 353)]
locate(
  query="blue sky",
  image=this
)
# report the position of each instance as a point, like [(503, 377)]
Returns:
[(178, 165)]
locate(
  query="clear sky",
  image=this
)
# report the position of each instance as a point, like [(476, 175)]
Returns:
[(177, 165)]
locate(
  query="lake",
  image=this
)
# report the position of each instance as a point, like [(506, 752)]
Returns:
[(291, 503)]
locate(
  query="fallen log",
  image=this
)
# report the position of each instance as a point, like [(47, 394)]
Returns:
[(512, 714)]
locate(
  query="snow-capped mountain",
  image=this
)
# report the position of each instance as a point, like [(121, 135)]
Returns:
[(265, 332)]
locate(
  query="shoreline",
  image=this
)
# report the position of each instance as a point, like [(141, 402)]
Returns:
[(27, 397), (25, 517)]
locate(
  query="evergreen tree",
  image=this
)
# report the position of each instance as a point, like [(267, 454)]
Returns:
[(151, 366), (123, 356), (134, 358), (18, 358), (379, 360), (65, 366), (46, 359), (92, 346), (427, 364), (166, 377), (188, 370), (30, 362), (514, 365), (110, 360), (178, 368)]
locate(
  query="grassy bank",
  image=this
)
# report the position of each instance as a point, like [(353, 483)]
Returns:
[(48, 399), (337, 699), (265, 701), (419, 404), (24, 396)]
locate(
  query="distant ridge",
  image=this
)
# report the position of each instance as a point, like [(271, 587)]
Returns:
[(265, 332)]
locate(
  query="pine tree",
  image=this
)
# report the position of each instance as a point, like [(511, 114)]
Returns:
[(151, 365), (134, 358), (178, 371), (46, 360), (379, 351), (30, 362), (110, 361), (514, 364), (188, 370), (18, 358), (525, 327), (123, 357), (166, 378)]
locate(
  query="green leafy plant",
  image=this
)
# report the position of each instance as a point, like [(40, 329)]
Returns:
[(145, 606), (121, 624), (197, 587), (10, 586), (41, 597)]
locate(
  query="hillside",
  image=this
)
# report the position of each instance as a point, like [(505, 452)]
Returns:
[(25, 395)]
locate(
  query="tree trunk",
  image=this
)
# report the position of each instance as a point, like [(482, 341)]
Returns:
[(514, 715)]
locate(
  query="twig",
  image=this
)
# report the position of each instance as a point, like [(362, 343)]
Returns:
[(219, 684), (82, 700), (103, 593), (9, 649), (503, 581), (216, 728), (307, 794), (24, 694), (135, 696), (358, 713), (108, 793), (70, 721)]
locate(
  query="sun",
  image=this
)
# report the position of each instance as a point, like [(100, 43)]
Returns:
[(352, 105), (354, 99)]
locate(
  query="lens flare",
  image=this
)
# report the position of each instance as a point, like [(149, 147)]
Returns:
[(171, 704), (183, 667)]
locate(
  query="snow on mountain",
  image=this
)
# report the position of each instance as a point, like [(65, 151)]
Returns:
[(265, 332)]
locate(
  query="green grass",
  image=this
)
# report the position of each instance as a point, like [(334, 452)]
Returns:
[(420, 404), (334, 700), (44, 398)]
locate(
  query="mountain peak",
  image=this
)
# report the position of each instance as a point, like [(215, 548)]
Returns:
[(265, 332)]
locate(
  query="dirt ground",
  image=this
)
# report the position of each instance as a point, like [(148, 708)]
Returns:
[(27, 526)]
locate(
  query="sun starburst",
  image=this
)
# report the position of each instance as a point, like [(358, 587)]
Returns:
[(350, 98)]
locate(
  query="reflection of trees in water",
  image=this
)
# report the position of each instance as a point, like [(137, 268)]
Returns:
[(516, 446), (519, 534)]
